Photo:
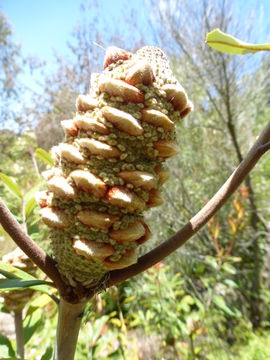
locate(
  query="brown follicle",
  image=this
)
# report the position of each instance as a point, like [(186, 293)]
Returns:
[(140, 73), (187, 110), (141, 179), (54, 217), (92, 249), (146, 236), (115, 87), (86, 123), (133, 232), (42, 198), (97, 219), (71, 153), (85, 103), (88, 182), (127, 259), (163, 174), (122, 120), (114, 54), (157, 118), (165, 148), (60, 186), (48, 174), (176, 94), (121, 197), (96, 147), (69, 127), (155, 198)]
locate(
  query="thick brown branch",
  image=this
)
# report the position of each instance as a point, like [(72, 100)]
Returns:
[(31, 249), (201, 218)]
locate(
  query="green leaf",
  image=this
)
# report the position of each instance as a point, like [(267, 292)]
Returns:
[(210, 260), (115, 355), (13, 273), (6, 349), (230, 269), (226, 43), (29, 206), (38, 303), (30, 200), (230, 283), (17, 284), (11, 185), (48, 354), (116, 322), (221, 304), (8, 274), (31, 324), (44, 156)]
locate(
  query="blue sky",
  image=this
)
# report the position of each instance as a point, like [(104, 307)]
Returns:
[(41, 26), (44, 27)]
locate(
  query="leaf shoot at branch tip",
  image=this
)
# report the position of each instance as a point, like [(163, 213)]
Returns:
[(229, 44)]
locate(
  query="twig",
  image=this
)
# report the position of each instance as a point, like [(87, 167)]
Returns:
[(31, 249), (201, 218)]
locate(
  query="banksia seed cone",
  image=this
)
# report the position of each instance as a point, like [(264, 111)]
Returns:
[(110, 167), (16, 300)]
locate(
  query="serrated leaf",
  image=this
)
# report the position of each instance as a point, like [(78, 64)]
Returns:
[(11, 185), (44, 156), (17, 284), (6, 349), (229, 44)]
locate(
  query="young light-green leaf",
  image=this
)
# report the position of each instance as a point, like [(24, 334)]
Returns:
[(44, 156), (11, 185), (226, 43)]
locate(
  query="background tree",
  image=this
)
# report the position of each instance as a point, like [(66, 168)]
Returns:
[(227, 96)]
